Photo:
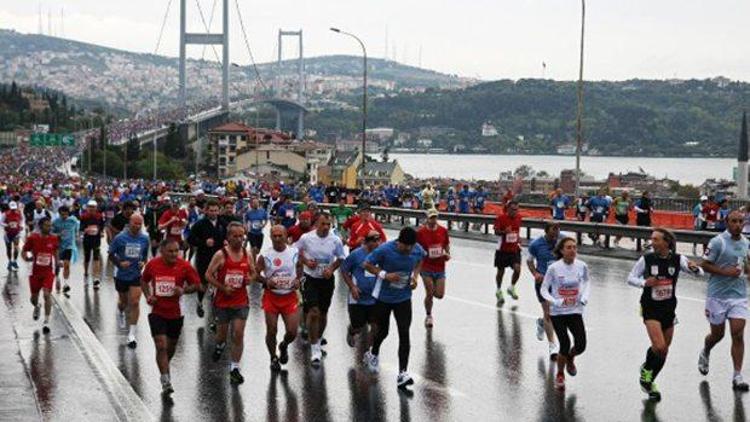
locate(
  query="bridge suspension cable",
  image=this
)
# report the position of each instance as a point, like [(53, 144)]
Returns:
[(247, 45)]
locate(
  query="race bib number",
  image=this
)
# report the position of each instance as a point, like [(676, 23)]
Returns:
[(13, 225), (283, 281), (92, 230), (435, 252), (560, 204), (175, 230), (256, 225), (289, 213), (370, 275), (132, 250), (404, 279), (110, 215), (663, 290), (164, 287), (511, 237), (569, 296), (234, 280), (710, 225), (44, 260), (599, 210)]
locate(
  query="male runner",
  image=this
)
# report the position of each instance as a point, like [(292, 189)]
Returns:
[(540, 258), (434, 239), (508, 253), (360, 283), (92, 223), (12, 221), (207, 236), (41, 249), (66, 228)]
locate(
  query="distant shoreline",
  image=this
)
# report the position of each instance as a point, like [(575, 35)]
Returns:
[(547, 155)]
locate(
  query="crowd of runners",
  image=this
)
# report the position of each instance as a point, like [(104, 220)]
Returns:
[(205, 250)]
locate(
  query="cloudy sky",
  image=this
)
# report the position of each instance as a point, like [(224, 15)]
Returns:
[(490, 39)]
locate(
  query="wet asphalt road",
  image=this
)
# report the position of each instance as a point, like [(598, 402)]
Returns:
[(479, 361)]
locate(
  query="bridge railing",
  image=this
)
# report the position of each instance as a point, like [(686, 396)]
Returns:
[(483, 224)]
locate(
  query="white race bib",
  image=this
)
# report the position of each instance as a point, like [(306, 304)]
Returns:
[(511, 237), (404, 279), (256, 225), (13, 225), (569, 296), (175, 230), (599, 210), (289, 213), (164, 286), (435, 251), (234, 280), (284, 282), (44, 260), (663, 290), (132, 250), (92, 230), (560, 204)]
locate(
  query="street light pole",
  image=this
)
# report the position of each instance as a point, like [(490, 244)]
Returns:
[(579, 117), (364, 100)]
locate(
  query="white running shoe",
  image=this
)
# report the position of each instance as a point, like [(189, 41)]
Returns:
[(554, 350), (315, 355), (35, 314), (371, 361), (404, 380), (131, 341), (703, 362), (428, 321), (540, 329), (121, 323)]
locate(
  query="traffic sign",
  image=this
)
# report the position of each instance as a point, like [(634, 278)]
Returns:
[(52, 140)]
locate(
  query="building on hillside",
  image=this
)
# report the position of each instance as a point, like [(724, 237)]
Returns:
[(488, 129), (378, 173), (342, 168), (380, 133)]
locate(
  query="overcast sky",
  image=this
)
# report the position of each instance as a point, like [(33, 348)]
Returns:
[(490, 39)]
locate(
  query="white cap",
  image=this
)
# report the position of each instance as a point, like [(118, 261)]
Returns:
[(12, 205), (92, 203), (704, 198)]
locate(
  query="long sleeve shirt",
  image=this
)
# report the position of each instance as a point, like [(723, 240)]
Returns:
[(566, 287)]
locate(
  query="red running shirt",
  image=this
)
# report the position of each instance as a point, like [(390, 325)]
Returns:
[(509, 242), (235, 274), (174, 230), (44, 250), (13, 222), (434, 243), (163, 278)]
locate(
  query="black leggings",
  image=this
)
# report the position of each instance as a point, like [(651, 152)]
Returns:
[(402, 313), (574, 324)]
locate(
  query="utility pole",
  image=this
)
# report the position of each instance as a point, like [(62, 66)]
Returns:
[(579, 117)]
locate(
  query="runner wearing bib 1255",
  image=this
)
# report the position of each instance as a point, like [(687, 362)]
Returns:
[(434, 239), (508, 253), (657, 273), (42, 247), (566, 288), (230, 271), (279, 271), (165, 279)]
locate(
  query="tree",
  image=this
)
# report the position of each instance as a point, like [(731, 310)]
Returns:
[(523, 171)]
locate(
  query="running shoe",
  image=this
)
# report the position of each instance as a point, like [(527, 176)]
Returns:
[(235, 377), (738, 384), (404, 380), (323, 341), (97, 282), (570, 366), (35, 314), (560, 381), (654, 394), (199, 310), (212, 327), (513, 292), (499, 296), (703, 362), (15, 265), (554, 350), (218, 351), (66, 290), (45, 330), (428, 322), (283, 353), (315, 355), (540, 329), (275, 365), (9, 267), (131, 341), (166, 388), (372, 362), (350, 336), (121, 322), (57, 285)]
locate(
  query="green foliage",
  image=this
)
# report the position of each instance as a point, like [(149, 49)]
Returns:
[(15, 109)]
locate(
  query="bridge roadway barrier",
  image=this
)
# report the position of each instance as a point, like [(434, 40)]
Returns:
[(479, 227)]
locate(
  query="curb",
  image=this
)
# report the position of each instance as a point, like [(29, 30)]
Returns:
[(127, 405)]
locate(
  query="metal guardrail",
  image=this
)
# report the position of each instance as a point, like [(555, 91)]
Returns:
[(483, 224)]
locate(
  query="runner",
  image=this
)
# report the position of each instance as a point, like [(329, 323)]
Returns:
[(566, 289), (397, 264), (644, 207), (41, 249), (165, 279), (321, 253), (256, 219), (340, 215), (40, 213), (622, 205), (360, 225), (599, 206), (656, 273), (726, 260), (120, 220), (129, 252), (12, 221), (173, 221), (66, 228), (230, 271), (303, 226), (540, 258), (508, 253), (207, 236), (559, 203), (360, 283), (92, 222), (433, 238), (428, 197), (280, 272)]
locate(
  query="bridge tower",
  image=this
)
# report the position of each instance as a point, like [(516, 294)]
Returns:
[(205, 39), (301, 81)]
